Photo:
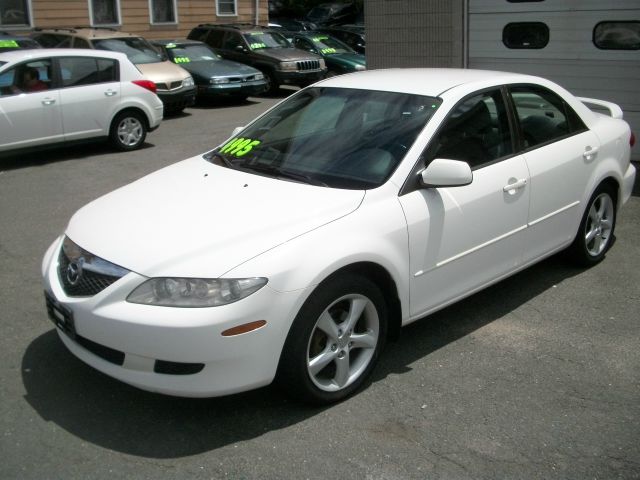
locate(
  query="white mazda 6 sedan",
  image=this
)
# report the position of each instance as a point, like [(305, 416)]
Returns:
[(362, 203)]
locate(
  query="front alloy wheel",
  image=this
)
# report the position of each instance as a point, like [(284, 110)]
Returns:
[(335, 340)]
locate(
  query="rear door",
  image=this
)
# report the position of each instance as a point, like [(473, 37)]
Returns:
[(89, 95), (29, 117)]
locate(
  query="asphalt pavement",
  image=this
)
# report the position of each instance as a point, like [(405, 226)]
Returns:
[(537, 377)]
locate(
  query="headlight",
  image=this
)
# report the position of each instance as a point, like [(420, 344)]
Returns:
[(322, 64), (195, 292), (188, 82), (259, 76), (218, 81), (289, 66), (360, 67)]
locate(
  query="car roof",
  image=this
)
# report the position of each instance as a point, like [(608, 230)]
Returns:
[(241, 27), (86, 32), (177, 41), (432, 82), (20, 55)]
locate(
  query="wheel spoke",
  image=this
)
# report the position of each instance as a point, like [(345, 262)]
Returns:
[(328, 326), (342, 370), (602, 205), (363, 340), (316, 364), (606, 223), (357, 306), (590, 236), (597, 244)]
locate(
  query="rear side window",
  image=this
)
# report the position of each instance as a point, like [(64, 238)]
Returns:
[(78, 71), (525, 35), (617, 35), (49, 40), (543, 116)]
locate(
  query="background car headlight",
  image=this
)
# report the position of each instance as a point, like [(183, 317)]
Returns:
[(289, 66), (218, 80), (360, 67), (258, 76), (195, 292), (322, 63), (188, 82)]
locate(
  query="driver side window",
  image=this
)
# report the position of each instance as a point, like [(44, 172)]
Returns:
[(476, 131)]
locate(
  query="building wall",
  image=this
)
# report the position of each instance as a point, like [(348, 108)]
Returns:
[(135, 15), (414, 33)]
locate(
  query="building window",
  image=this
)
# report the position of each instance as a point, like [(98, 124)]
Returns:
[(226, 8), (15, 13), (526, 35), (617, 35), (163, 11), (104, 12)]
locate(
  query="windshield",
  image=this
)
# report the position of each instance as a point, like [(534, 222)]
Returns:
[(338, 137), (17, 44), (329, 45), (258, 40), (319, 13), (137, 49), (191, 53)]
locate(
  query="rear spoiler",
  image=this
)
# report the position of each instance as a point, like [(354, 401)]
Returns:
[(614, 110)]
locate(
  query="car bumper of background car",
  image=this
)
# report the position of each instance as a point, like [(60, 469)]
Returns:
[(300, 78), (175, 351), (244, 88), (628, 183), (177, 99)]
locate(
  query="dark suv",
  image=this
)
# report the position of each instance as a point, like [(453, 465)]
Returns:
[(266, 50)]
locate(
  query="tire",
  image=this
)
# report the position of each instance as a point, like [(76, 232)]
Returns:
[(595, 234), (272, 84), (128, 130), (335, 341)]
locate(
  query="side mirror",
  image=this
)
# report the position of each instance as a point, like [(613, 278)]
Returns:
[(443, 172), (241, 48), (236, 131)]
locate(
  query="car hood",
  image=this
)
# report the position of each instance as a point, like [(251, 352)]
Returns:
[(219, 68), (286, 54), (346, 59), (162, 72), (196, 219)]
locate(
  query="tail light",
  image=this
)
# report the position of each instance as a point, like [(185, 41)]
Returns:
[(632, 140), (148, 84)]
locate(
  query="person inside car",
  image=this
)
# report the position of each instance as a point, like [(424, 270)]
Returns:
[(30, 82)]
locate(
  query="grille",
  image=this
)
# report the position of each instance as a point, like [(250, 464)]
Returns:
[(165, 87), (308, 65), (88, 283)]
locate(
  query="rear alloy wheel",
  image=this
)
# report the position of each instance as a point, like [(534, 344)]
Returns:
[(595, 234), (335, 340), (128, 131)]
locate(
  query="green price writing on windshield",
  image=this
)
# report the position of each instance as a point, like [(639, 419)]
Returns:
[(181, 59), (239, 146), (328, 50), (319, 39), (8, 44), (256, 46)]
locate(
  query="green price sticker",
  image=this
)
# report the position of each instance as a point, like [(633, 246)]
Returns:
[(239, 146), (181, 59), (8, 44), (319, 39), (170, 45), (256, 46), (328, 50)]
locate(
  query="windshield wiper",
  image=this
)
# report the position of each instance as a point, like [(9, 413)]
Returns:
[(280, 173), (226, 162)]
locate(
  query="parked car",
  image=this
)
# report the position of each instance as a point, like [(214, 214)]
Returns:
[(10, 42), (174, 85), (338, 57), (291, 25), (352, 35), (53, 96), (352, 208), (264, 50), (335, 13), (214, 76)]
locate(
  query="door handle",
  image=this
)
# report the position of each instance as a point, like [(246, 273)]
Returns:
[(590, 152), (512, 187), (48, 101), (110, 93)]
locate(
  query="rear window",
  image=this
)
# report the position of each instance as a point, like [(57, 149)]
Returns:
[(525, 35), (623, 35)]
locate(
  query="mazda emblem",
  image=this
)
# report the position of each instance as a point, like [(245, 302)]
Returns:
[(74, 273)]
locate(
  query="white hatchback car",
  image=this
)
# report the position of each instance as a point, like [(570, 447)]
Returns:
[(50, 96), (354, 207)]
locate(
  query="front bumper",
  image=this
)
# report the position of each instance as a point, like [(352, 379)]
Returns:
[(133, 343), (240, 88), (178, 99), (299, 78)]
